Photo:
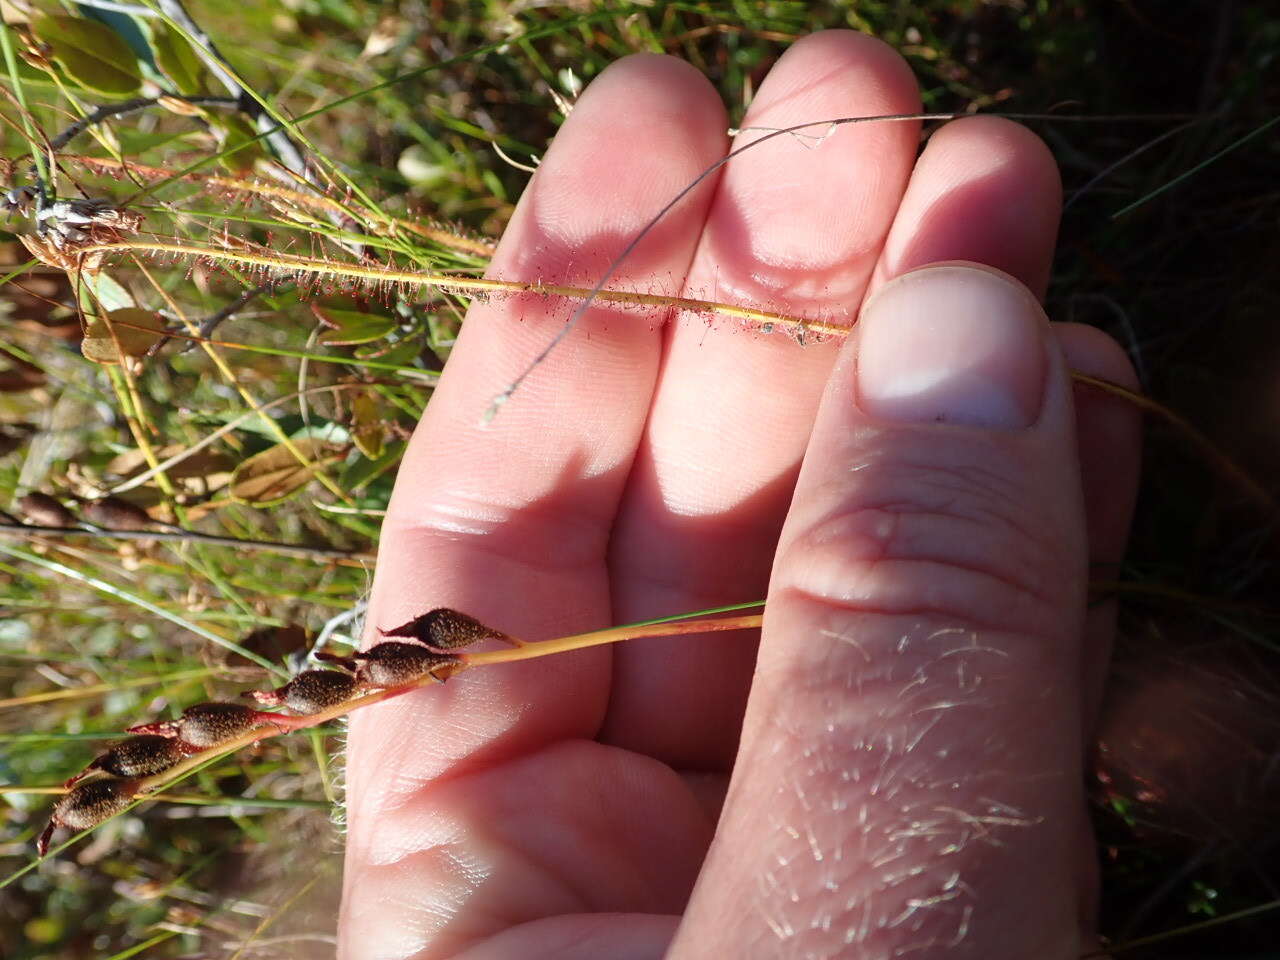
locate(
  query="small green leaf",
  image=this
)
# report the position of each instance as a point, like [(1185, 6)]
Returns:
[(177, 60), (352, 326), (91, 54), (104, 293), (364, 471)]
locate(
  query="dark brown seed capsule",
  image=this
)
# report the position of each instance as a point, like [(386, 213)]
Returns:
[(310, 691), (393, 664), (43, 510), (446, 629), (87, 806), (208, 724), (114, 513), (137, 757)]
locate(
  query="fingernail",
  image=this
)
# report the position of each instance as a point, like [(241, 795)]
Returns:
[(953, 344)]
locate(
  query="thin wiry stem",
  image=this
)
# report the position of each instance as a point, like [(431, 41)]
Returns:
[(1182, 425), (582, 641), (1131, 155), (1236, 144)]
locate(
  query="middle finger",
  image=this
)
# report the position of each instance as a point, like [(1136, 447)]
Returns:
[(794, 226)]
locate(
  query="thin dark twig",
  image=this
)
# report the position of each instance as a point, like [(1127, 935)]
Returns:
[(106, 111), (210, 323), (186, 536)]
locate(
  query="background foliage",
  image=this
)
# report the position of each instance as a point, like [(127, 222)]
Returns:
[(97, 633)]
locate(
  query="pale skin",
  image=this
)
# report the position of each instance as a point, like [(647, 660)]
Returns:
[(903, 749)]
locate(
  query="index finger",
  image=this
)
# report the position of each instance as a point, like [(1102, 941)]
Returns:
[(510, 522)]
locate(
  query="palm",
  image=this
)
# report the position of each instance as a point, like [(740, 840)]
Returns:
[(563, 807)]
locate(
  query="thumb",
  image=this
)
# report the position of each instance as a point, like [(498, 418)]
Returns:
[(910, 774)]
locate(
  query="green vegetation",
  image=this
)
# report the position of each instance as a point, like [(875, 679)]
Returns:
[(310, 385)]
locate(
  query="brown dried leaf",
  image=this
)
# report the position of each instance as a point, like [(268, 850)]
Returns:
[(100, 346), (69, 259), (275, 474), (203, 464), (349, 327)]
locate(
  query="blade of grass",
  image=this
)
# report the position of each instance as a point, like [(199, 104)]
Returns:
[(112, 590), (1234, 145), (11, 64)]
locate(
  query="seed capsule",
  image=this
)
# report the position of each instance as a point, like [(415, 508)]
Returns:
[(310, 691), (87, 806), (137, 757), (44, 510), (113, 513), (393, 664), (446, 629), (208, 724)]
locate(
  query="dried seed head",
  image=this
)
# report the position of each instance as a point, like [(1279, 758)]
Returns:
[(393, 664), (310, 691), (43, 510), (114, 513), (207, 724), (211, 724), (87, 806), (446, 629), (137, 757)]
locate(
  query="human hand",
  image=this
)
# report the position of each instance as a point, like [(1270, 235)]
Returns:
[(910, 770)]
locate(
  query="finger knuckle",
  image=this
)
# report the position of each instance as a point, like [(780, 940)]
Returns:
[(962, 541)]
